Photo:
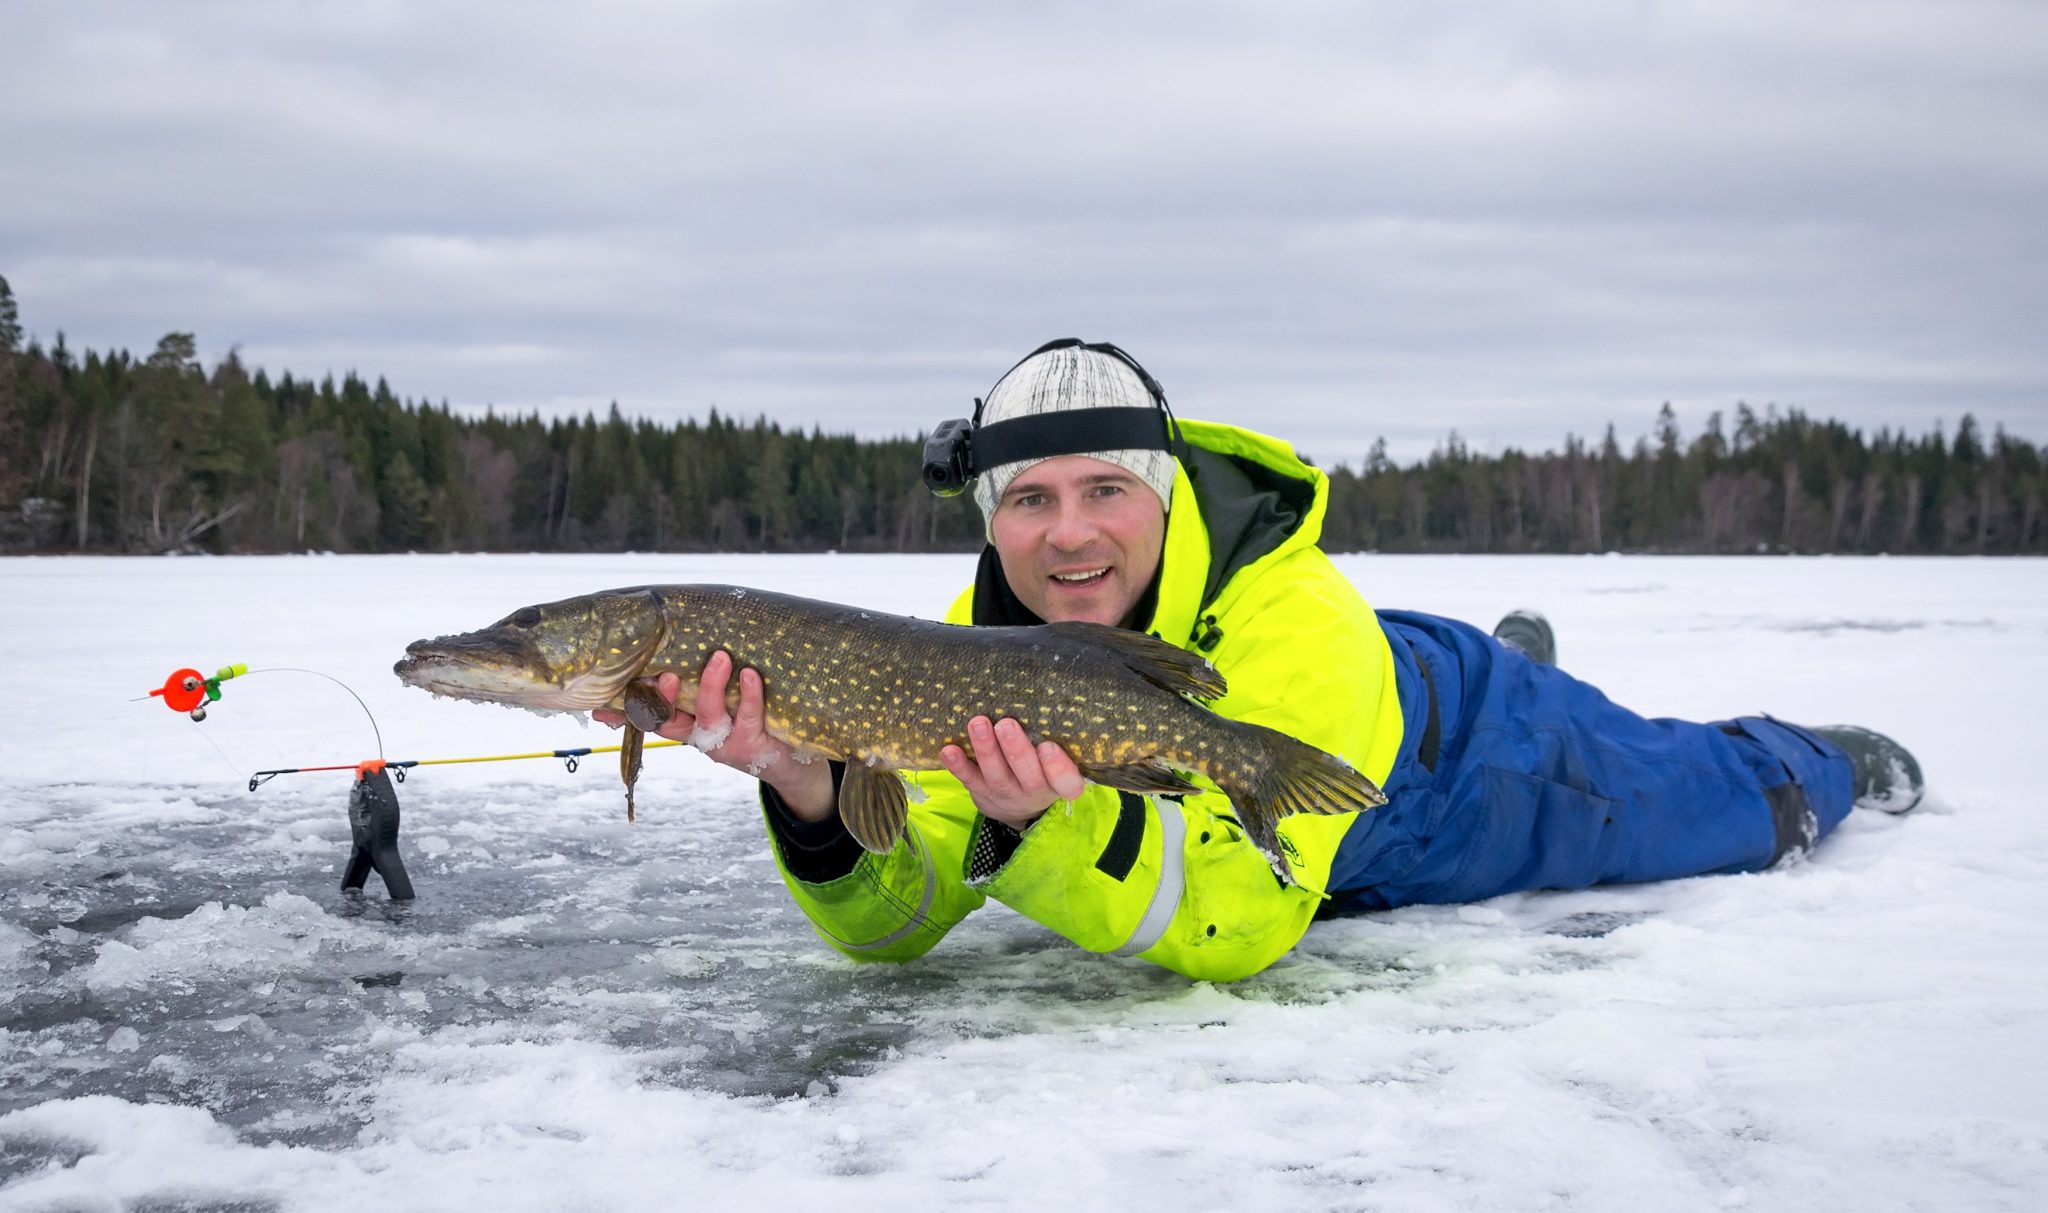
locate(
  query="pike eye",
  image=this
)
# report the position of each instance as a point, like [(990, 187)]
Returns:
[(525, 617)]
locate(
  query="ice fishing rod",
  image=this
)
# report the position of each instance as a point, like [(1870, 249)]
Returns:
[(398, 768), (189, 691), (373, 812)]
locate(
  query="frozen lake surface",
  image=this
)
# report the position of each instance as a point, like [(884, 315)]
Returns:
[(578, 1013)]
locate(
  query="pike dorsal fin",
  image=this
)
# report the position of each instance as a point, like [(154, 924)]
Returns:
[(1163, 665)]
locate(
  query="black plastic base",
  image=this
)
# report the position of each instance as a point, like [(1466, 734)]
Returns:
[(373, 825)]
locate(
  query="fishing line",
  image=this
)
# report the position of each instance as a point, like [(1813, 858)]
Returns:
[(216, 749), (367, 714)]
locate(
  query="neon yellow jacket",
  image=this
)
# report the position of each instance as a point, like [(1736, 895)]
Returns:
[(1174, 883)]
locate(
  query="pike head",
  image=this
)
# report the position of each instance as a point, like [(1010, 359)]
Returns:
[(572, 655)]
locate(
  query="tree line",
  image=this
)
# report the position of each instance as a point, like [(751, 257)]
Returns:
[(102, 452)]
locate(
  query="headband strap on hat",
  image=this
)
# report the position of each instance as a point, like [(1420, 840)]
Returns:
[(1072, 432), (1067, 397)]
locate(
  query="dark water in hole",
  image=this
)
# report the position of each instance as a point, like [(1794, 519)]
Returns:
[(217, 963)]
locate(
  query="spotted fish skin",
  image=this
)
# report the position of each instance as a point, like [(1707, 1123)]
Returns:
[(885, 693)]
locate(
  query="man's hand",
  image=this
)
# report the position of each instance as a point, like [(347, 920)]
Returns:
[(1011, 780), (740, 739)]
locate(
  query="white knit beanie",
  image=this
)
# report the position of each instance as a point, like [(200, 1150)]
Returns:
[(1072, 377)]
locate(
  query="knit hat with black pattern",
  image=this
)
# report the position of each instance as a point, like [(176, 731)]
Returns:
[(1058, 380)]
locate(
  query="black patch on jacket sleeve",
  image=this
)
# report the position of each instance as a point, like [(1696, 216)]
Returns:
[(1126, 840)]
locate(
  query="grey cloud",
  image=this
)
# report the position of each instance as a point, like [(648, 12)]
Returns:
[(1327, 220)]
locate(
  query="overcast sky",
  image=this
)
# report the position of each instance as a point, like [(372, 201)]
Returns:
[(1326, 220)]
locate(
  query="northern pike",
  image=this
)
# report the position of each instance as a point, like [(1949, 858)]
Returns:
[(885, 693)]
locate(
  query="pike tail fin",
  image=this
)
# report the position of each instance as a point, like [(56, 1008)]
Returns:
[(1286, 775)]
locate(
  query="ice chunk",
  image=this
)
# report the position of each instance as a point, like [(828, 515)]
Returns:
[(18, 947), (708, 739), (687, 962), (124, 1040)]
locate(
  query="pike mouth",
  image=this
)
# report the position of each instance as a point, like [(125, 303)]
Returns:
[(570, 656), (489, 678)]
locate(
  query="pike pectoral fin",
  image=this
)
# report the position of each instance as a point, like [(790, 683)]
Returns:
[(874, 805), (630, 738), (1148, 776), (646, 712), (644, 707)]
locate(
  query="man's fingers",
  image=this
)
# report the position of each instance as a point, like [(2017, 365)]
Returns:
[(680, 727), (964, 769), (1060, 772), (711, 691), (753, 713), (988, 755), (1021, 755)]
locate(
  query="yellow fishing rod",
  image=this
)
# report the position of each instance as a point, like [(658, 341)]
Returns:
[(398, 767)]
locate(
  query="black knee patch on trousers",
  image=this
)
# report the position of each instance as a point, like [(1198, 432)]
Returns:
[(1798, 829)]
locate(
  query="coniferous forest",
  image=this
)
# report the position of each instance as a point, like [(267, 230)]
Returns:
[(103, 452)]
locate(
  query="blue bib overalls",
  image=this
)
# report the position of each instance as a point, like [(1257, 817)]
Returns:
[(1514, 775)]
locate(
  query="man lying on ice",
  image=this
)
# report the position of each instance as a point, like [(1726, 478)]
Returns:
[(1502, 772)]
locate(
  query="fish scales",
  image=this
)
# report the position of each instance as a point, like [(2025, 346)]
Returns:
[(915, 683), (887, 692)]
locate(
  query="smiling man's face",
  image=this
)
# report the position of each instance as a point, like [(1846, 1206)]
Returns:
[(1079, 539)]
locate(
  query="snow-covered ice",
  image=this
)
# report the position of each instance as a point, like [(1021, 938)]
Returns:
[(578, 1013)]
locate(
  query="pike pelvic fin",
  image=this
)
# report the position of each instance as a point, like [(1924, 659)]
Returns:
[(1149, 776), (1294, 777), (873, 805), (1165, 666)]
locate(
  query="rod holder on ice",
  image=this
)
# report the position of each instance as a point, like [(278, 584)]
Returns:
[(373, 829)]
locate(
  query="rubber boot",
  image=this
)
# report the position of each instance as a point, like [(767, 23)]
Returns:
[(1887, 775), (1528, 633)]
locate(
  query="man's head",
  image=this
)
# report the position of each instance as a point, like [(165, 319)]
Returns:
[(1079, 535)]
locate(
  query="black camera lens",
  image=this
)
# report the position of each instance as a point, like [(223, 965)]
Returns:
[(947, 468)]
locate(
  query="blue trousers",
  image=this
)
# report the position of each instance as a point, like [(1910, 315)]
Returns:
[(1514, 775)]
